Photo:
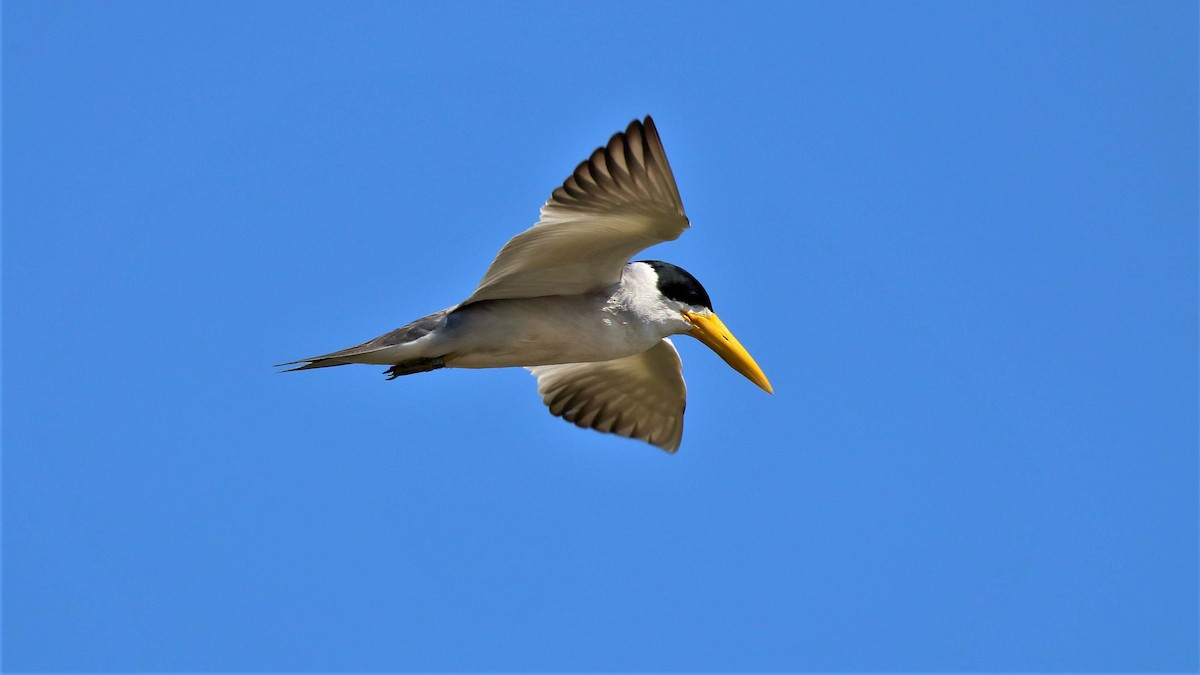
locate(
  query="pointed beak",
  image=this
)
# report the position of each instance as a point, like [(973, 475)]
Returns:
[(709, 329)]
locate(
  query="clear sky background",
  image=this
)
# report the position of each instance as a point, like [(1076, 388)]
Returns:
[(960, 238)]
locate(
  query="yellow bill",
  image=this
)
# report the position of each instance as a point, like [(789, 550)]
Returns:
[(708, 329)]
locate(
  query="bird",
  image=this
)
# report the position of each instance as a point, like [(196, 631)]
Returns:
[(563, 300)]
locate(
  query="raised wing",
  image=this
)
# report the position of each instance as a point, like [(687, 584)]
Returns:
[(640, 396), (618, 202)]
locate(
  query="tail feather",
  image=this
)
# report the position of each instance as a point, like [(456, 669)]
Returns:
[(343, 357), (388, 341), (308, 365)]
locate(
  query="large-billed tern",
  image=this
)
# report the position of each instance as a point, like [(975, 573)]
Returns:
[(562, 300)]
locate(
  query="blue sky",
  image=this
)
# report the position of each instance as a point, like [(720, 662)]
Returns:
[(960, 238)]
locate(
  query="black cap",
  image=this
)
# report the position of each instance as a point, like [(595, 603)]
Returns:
[(675, 283)]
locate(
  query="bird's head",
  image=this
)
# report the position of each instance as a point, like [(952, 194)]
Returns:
[(684, 292)]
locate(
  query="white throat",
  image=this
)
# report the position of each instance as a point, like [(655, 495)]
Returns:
[(638, 294)]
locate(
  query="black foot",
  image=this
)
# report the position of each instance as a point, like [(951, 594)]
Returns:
[(414, 366)]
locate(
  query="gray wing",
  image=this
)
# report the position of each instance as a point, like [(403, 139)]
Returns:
[(641, 396), (618, 202)]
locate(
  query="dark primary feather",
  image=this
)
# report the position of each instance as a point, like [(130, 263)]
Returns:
[(632, 164)]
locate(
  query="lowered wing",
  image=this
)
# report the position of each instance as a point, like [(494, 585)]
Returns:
[(640, 396)]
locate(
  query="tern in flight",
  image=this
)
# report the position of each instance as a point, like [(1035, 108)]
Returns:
[(563, 300)]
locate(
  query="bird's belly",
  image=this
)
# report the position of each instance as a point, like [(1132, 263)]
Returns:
[(542, 331)]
